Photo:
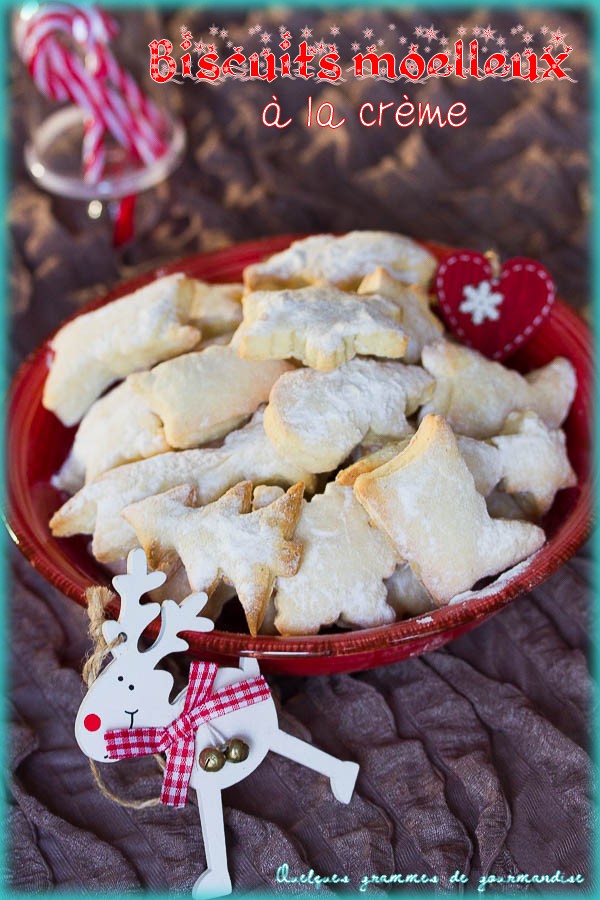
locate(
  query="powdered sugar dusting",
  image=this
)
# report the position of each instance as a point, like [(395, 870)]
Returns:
[(320, 325), (340, 260)]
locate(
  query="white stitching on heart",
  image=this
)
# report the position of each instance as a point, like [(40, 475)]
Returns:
[(529, 267), (451, 260)]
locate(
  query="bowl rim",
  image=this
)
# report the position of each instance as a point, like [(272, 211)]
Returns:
[(553, 554)]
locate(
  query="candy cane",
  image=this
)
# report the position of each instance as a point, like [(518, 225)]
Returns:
[(108, 94)]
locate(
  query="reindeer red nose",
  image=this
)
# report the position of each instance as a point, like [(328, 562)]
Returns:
[(92, 722)]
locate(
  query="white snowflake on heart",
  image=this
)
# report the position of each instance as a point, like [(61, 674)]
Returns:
[(481, 302)]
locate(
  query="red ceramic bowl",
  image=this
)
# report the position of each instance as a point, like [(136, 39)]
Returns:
[(38, 444)]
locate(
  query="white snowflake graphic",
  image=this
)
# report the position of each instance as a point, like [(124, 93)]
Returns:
[(481, 302), (488, 33), (527, 37), (431, 34)]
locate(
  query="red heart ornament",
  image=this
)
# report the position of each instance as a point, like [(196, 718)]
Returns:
[(495, 315)]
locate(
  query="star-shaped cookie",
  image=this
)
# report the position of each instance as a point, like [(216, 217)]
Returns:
[(320, 325), (534, 459), (418, 321), (476, 394), (344, 562)]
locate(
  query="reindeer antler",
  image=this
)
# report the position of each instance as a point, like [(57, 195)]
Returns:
[(176, 618), (133, 616)]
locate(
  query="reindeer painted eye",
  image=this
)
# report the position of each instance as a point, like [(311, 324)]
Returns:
[(131, 687), (120, 678), (92, 722)]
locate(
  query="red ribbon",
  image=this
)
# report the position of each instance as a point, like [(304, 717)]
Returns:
[(177, 739)]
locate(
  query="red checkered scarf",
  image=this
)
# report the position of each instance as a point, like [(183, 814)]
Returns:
[(177, 739)]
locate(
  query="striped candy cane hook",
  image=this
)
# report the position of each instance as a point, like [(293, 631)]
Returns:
[(66, 49)]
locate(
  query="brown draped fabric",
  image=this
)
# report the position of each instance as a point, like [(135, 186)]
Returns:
[(473, 758)]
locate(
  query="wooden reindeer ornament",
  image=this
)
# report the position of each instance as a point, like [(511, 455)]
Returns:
[(215, 732)]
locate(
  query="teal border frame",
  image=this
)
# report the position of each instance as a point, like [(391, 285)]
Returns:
[(592, 10)]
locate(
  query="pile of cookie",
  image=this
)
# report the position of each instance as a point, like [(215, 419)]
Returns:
[(310, 442)]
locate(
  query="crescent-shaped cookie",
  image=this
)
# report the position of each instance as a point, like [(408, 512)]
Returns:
[(96, 349), (118, 428), (342, 261)]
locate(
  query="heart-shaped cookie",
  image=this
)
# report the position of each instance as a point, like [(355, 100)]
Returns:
[(495, 313)]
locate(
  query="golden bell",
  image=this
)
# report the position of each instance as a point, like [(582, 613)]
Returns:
[(211, 759), (237, 750)]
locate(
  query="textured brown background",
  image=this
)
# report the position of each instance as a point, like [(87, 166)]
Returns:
[(472, 758)]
